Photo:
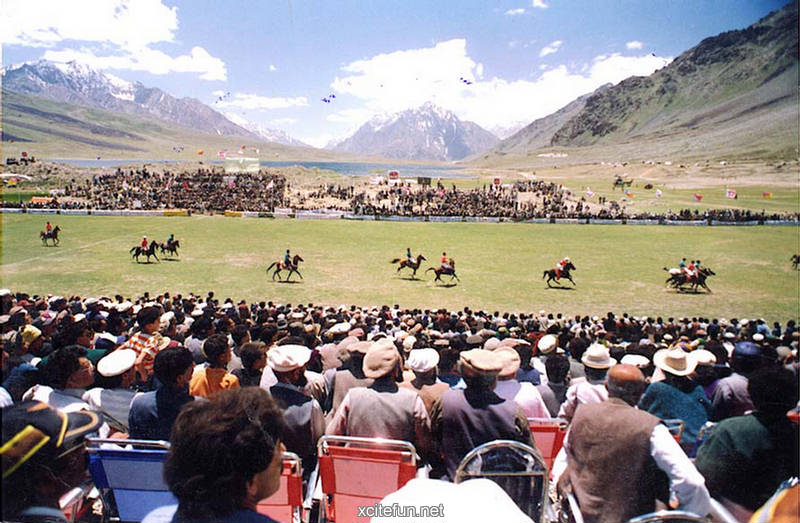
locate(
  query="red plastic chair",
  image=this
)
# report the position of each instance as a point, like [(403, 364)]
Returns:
[(287, 503), (358, 472), (548, 434)]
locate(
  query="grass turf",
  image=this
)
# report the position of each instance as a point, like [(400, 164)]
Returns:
[(500, 265)]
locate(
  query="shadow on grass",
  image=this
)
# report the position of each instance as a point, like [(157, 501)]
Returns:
[(410, 278), (560, 288), (445, 285), (170, 259), (287, 281)]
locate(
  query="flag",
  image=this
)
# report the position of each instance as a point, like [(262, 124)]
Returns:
[(698, 197), (589, 192), (628, 193), (730, 193), (659, 194), (271, 184), (767, 195), (169, 183)]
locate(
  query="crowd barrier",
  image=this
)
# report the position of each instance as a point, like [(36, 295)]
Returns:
[(328, 214)]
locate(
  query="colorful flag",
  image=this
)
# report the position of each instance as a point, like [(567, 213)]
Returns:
[(659, 194), (767, 195), (698, 197), (730, 193), (271, 184), (628, 193), (589, 192)]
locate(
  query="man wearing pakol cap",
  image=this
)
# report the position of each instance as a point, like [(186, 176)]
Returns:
[(464, 419), (114, 393), (350, 374), (423, 363), (619, 459), (43, 456), (305, 422), (523, 394), (596, 362), (383, 409)]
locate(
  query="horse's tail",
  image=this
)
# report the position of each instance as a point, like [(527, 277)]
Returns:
[(271, 265), (430, 269), (544, 274), (132, 249), (665, 269), (395, 260)]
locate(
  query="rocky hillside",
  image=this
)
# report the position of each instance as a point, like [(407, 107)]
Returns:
[(733, 79)]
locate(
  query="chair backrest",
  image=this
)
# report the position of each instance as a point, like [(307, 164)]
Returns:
[(675, 516), (134, 476), (548, 434), (702, 436), (361, 471), (287, 503), (517, 468), (675, 427)]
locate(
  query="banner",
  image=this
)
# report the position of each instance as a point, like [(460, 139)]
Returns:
[(730, 193), (767, 195), (698, 197)]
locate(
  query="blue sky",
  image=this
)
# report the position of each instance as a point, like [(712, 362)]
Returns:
[(279, 58)]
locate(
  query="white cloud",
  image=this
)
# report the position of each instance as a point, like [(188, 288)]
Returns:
[(256, 102), (539, 4), (515, 12), (272, 68), (146, 59), (44, 23), (218, 93), (401, 80), (124, 30), (550, 48), (634, 44)]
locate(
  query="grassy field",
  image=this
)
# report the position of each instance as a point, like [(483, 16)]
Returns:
[(500, 265)]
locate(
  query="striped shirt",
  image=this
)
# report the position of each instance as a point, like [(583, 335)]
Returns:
[(146, 344)]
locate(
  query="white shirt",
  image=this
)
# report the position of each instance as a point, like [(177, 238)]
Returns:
[(525, 395), (685, 481), (579, 393)]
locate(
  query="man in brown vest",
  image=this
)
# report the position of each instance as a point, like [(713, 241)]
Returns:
[(620, 459), (464, 419), (383, 410)]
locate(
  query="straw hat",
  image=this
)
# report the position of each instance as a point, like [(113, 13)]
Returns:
[(675, 361), (598, 357)]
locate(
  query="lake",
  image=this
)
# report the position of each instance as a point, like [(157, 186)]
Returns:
[(345, 168)]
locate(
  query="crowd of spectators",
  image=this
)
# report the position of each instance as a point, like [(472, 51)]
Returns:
[(210, 190), (444, 380)]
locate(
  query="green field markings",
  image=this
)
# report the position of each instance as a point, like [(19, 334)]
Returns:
[(619, 268)]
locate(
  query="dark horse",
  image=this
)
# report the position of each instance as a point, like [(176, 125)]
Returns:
[(170, 247), (52, 235), (138, 250), (280, 266), (621, 182), (448, 271), (411, 265), (551, 274), (678, 280), (795, 261)]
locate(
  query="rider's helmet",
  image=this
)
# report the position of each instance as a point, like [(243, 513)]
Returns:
[(144, 237), (566, 258)]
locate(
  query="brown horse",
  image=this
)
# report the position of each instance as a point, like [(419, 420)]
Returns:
[(551, 274), (411, 265), (448, 271), (138, 250), (170, 247), (280, 266), (795, 261), (52, 235)]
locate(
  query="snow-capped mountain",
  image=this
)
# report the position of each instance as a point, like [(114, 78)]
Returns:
[(270, 135), (80, 84), (425, 133)]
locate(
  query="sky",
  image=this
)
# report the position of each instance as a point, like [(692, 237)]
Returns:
[(318, 70)]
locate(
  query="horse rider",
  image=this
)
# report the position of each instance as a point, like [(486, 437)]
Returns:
[(144, 242), (560, 267), (682, 264), (287, 259), (170, 239), (49, 228), (697, 268), (446, 264), (690, 271), (409, 257)]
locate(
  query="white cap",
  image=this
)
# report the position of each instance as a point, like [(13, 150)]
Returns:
[(116, 363), (422, 360), (286, 358)]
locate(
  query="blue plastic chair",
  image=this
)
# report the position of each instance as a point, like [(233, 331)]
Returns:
[(130, 480)]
